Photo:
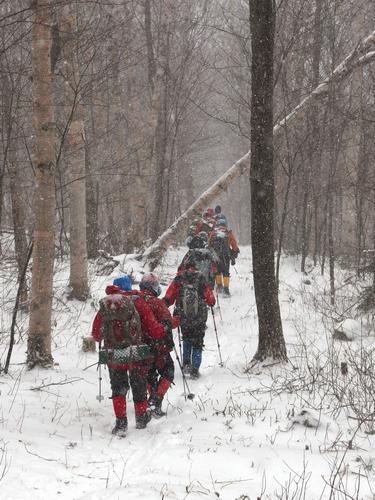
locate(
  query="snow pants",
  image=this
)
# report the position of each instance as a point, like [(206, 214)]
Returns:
[(193, 338), (121, 381), (223, 265), (161, 375)]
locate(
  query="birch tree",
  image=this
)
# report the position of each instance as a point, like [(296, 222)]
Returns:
[(39, 338), (75, 158)]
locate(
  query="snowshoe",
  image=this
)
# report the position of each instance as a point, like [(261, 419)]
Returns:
[(226, 292), (121, 427), (141, 421), (194, 373)]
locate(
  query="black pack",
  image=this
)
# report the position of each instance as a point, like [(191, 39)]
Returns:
[(192, 306), (202, 259), (220, 242), (121, 324)]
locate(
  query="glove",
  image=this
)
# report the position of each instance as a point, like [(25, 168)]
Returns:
[(169, 343), (233, 261), (234, 254)]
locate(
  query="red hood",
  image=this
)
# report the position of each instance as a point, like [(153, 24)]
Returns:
[(111, 289)]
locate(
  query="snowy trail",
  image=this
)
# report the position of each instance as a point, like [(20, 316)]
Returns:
[(235, 438)]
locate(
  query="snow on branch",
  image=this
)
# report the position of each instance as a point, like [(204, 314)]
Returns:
[(360, 56)]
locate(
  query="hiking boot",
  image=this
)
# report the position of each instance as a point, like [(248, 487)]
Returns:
[(194, 373), (226, 292), (186, 367), (219, 288), (121, 427), (141, 421), (155, 402)]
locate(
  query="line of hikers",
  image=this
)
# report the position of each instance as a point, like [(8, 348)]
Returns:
[(134, 327)]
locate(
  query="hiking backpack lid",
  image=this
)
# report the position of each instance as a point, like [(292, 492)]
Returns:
[(201, 259), (121, 324)]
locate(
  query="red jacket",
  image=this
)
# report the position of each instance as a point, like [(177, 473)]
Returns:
[(151, 328), (163, 315), (159, 308), (173, 292)]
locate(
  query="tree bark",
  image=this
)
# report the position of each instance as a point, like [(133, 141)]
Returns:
[(75, 159), (160, 108), (271, 343), (39, 339)]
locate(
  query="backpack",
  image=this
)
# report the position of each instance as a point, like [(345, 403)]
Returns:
[(202, 259), (207, 225), (121, 323), (220, 241), (192, 305)]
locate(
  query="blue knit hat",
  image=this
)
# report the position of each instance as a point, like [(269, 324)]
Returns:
[(125, 283)]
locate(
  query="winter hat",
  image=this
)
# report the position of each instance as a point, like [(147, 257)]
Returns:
[(218, 209), (150, 282), (125, 283)]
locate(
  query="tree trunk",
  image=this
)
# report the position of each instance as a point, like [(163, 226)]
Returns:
[(160, 108), (262, 25), (75, 159), (39, 339)]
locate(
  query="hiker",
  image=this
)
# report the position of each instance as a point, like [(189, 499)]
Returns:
[(202, 257), (191, 294), (206, 223), (219, 215), (161, 373), (125, 321), (224, 243)]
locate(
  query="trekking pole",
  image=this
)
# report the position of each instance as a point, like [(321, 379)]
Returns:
[(218, 305), (189, 394), (100, 397), (217, 337), (179, 340)]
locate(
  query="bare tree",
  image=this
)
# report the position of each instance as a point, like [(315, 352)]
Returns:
[(75, 157), (39, 339), (271, 340)]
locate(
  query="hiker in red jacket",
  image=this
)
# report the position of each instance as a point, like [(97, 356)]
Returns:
[(140, 329), (161, 373), (192, 294)]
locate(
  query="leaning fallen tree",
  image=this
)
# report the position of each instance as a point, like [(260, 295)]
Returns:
[(153, 254), (363, 54)]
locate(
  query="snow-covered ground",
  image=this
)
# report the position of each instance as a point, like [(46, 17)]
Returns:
[(286, 432)]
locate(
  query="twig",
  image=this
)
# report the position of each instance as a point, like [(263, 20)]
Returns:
[(71, 381), (15, 309), (39, 456)]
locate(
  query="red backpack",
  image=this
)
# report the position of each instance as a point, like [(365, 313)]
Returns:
[(121, 324)]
